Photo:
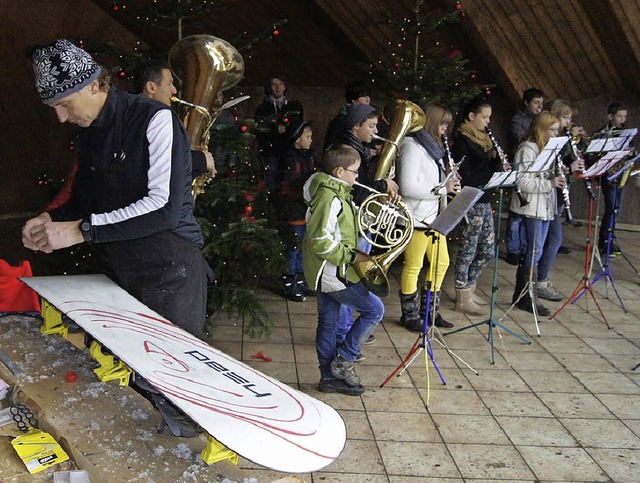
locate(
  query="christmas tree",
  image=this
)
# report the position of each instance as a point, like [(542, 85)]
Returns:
[(424, 65)]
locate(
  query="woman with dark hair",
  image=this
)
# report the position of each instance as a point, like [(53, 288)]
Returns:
[(539, 189), (480, 162), (421, 170)]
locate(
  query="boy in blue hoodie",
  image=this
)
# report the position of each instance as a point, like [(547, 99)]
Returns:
[(329, 251)]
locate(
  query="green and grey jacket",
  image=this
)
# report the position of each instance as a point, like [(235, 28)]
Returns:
[(329, 246)]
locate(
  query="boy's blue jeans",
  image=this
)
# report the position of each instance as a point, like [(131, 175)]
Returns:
[(358, 298), (346, 317), (294, 254)]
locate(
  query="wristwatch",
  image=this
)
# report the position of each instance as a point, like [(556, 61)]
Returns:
[(85, 228)]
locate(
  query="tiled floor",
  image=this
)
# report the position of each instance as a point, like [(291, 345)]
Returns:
[(565, 407)]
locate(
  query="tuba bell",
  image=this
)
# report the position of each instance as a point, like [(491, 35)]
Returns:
[(403, 117), (206, 65)]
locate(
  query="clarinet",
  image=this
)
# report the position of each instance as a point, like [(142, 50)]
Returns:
[(565, 190), (451, 164), (506, 166)]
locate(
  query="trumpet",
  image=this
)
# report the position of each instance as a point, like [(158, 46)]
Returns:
[(384, 224), (506, 166)]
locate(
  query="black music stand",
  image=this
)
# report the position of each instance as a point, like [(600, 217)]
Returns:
[(546, 157), (498, 181), (598, 170), (442, 226), (605, 267)]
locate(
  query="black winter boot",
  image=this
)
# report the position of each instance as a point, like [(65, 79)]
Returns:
[(435, 316), (302, 285), (521, 282), (291, 289), (423, 302), (410, 306)]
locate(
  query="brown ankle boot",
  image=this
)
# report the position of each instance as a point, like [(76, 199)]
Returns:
[(465, 303)]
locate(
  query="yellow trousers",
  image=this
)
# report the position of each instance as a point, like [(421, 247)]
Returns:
[(421, 244)]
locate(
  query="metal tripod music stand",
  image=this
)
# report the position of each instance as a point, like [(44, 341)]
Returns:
[(605, 268), (441, 226), (584, 286), (429, 332), (494, 284), (542, 163)]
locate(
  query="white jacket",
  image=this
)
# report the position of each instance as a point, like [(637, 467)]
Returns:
[(537, 187), (417, 174)]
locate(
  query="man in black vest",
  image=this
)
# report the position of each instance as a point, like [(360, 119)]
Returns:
[(132, 192)]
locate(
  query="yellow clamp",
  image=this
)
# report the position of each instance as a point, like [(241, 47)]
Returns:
[(110, 367), (52, 320), (216, 451)]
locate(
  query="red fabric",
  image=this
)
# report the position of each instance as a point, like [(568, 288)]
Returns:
[(62, 197), (15, 296)]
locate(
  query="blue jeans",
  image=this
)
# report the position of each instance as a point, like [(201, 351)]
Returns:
[(346, 316), (514, 242), (294, 254), (551, 246), (358, 298), (533, 228)]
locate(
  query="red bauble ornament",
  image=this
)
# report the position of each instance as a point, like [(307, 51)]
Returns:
[(488, 92), (285, 120), (248, 210), (249, 197), (276, 32), (458, 6), (122, 74), (244, 128)]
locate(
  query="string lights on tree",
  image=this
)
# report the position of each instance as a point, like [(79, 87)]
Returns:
[(422, 65)]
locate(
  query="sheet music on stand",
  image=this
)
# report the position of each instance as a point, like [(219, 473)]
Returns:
[(502, 179), (456, 209), (604, 164), (548, 154), (611, 141), (621, 171)]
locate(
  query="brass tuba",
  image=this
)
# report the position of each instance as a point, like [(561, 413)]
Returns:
[(385, 224), (206, 66), (403, 117)]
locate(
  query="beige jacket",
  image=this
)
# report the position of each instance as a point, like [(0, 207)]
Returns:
[(537, 188)]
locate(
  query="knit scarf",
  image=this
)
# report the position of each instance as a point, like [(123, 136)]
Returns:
[(475, 135), (427, 141)]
